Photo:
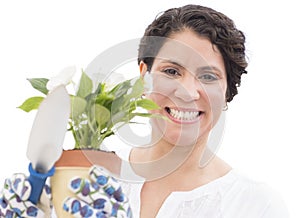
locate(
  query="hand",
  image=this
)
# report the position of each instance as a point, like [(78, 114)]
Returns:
[(100, 197), (14, 199)]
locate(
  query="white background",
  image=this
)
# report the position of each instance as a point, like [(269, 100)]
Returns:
[(39, 38)]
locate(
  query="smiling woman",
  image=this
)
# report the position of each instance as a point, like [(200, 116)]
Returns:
[(195, 57)]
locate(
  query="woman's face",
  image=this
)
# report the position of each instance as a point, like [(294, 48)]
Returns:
[(189, 85)]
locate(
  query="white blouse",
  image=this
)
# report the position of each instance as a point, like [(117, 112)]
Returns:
[(230, 196)]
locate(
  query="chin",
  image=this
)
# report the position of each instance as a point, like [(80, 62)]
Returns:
[(180, 135)]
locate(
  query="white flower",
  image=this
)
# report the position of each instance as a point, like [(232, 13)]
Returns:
[(63, 78)]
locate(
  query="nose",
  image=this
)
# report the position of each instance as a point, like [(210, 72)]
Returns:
[(188, 90)]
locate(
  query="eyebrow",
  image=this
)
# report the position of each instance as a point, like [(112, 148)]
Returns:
[(211, 68), (198, 70)]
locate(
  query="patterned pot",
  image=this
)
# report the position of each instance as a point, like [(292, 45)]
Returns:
[(76, 163)]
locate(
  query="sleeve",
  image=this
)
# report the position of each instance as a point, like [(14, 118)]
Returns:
[(247, 198), (276, 207)]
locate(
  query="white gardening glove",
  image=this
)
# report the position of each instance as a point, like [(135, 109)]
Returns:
[(14, 199), (100, 196)]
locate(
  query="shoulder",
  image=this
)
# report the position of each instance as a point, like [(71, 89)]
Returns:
[(246, 187), (254, 198)]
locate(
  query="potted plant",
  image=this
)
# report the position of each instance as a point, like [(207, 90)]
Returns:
[(96, 112)]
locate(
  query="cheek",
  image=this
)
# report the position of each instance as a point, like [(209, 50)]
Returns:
[(162, 89), (163, 85), (215, 96)]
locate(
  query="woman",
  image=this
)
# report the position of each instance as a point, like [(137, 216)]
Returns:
[(195, 57)]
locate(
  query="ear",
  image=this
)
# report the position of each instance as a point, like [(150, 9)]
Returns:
[(143, 68)]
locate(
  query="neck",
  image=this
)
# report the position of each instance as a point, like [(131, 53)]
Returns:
[(169, 158), (191, 152)]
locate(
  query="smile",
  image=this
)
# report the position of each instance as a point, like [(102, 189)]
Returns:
[(183, 116)]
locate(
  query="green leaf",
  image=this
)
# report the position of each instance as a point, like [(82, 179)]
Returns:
[(31, 103), (85, 86), (102, 114), (137, 89), (100, 88), (119, 104), (147, 104), (118, 117), (78, 105), (104, 99), (142, 114), (39, 84), (121, 89)]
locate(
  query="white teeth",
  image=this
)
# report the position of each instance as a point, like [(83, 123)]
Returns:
[(183, 115)]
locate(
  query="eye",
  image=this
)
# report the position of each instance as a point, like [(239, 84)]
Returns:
[(208, 77), (171, 72)]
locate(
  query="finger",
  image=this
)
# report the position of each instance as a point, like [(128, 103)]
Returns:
[(110, 185), (86, 190), (121, 210), (119, 195), (13, 200), (14, 207), (79, 208), (45, 201), (19, 185), (3, 205), (47, 189)]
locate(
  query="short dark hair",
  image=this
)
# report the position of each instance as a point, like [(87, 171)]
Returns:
[(215, 26)]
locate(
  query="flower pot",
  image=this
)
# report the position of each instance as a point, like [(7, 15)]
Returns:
[(76, 163)]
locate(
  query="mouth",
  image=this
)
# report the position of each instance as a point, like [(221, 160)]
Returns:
[(181, 116)]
